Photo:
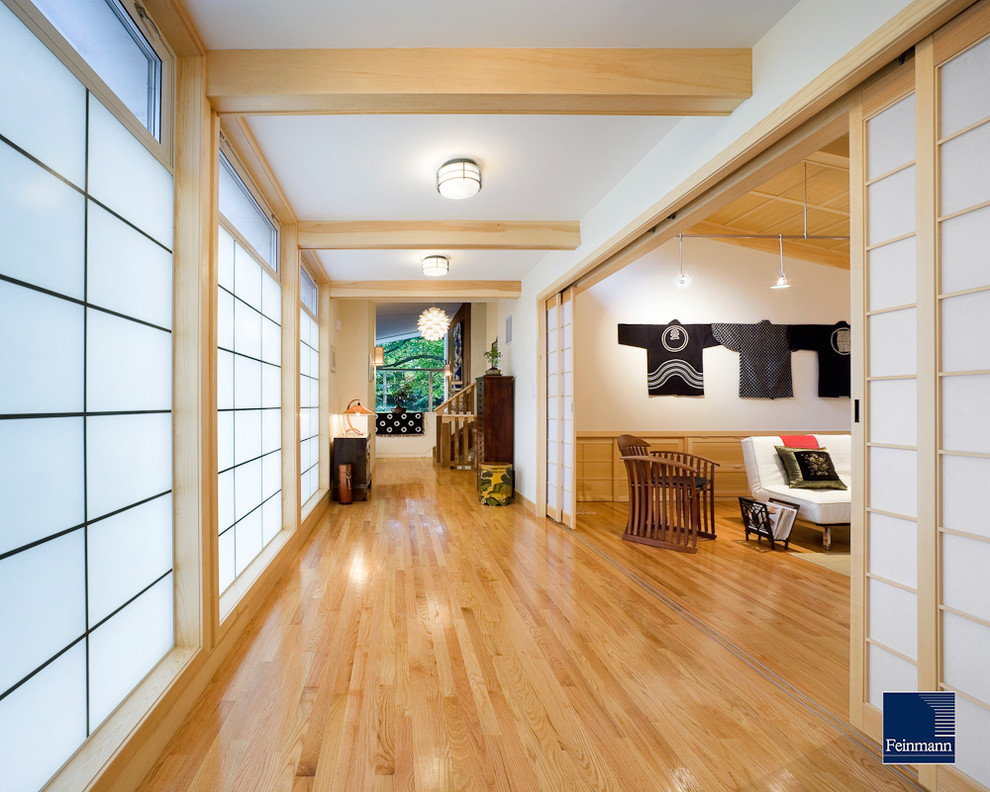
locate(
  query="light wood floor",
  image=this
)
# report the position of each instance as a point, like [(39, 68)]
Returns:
[(424, 642)]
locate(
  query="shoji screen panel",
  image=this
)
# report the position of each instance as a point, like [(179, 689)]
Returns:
[(249, 399), (560, 407), (963, 194), (309, 390), (86, 583), (890, 390)]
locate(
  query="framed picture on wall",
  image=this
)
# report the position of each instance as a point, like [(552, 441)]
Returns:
[(457, 361)]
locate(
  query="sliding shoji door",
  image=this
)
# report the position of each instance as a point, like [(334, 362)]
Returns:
[(888, 383), (920, 151), (560, 407), (961, 54)]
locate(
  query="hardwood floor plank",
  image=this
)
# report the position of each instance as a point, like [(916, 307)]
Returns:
[(424, 642)]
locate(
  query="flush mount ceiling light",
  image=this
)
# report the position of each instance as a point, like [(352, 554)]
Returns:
[(436, 265), (433, 324), (459, 178), (781, 282)]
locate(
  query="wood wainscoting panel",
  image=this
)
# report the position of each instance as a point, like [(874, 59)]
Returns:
[(601, 475)]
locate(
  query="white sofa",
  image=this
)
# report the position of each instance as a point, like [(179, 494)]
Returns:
[(767, 479)]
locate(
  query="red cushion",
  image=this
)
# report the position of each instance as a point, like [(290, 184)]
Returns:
[(799, 441)]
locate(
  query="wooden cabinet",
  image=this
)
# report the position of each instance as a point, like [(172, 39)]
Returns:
[(495, 428), (356, 452)]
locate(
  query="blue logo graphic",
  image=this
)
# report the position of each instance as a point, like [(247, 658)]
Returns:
[(919, 728)]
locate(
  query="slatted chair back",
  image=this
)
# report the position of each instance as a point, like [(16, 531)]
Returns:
[(663, 503), (705, 483), (630, 445)]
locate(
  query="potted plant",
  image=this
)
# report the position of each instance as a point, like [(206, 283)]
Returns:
[(493, 356), (401, 395)]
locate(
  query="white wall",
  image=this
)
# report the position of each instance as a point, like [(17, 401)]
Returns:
[(729, 284), (813, 36), (354, 338)]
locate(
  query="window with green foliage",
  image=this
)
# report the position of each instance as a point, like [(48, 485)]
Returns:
[(412, 376)]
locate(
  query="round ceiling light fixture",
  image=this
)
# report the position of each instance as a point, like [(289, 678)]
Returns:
[(433, 324), (459, 178), (436, 265)]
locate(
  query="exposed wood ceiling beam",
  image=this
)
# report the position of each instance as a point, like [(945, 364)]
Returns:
[(795, 202), (794, 248), (448, 235), (457, 80), (418, 290), (827, 160)]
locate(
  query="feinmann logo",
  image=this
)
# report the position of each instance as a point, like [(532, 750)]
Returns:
[(919, 728)]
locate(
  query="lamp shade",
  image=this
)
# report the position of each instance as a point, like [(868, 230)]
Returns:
[(354, 407), (433, 324), (379, 356), (436, 265), (459, 178)]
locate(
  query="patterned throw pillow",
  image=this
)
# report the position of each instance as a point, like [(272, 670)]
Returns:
[(809, 468)]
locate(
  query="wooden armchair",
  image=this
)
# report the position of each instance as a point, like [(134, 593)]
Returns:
[(630, 445), (663, 503)]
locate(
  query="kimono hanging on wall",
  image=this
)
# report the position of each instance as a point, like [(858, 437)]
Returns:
[(674, 363), (764, 358), (833, 345)]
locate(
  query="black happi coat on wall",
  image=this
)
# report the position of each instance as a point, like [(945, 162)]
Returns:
[(832, 343), (674, 365), (764, 358)]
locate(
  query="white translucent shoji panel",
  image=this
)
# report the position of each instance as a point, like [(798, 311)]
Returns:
[(964, 568), (314, 334), (551, 485), (271, 431), (41, 357), (972, 728), (568, 336), (39, 456), (551, 320), (225, 440), (891, 206), (225, 500), (225, 320), (32, 203), (128, 459), (124, 649), (225, 259), (964, 481), (225, 552), (964, 96), (247, 541), (552, 429), (43, 722), (247, 383), (966, 170), (890, 138), (964, 251), (271, 386), (893, 618), (125, 271), (567, 311), (247, 277), (126, 553), (304, 368), (893, 275), (314, 392), (247, 435), (271, 298), (128, 365), (125, 177), (553, 409), (247, 488), (44, 105), (963, 321), (271, 476), (889, 674), (42, 604), (247, 330), (893, 549), (271, 512), (894, 480), (304, 425), (271, 341), (893, 351), (965, 649), (244, 213), (893, 412), (965, 419), (225, 380)]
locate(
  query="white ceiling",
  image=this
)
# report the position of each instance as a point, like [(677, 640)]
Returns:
[(382, 167)]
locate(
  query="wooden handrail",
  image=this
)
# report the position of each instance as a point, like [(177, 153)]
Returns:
[(461, 402), (456, 420)]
